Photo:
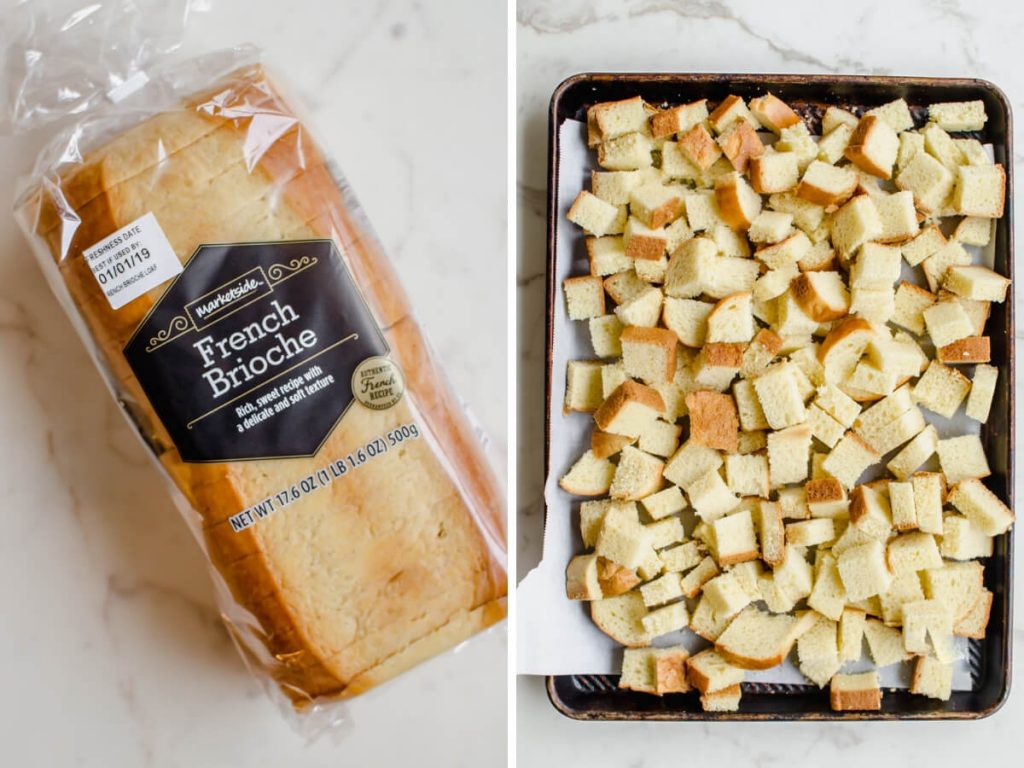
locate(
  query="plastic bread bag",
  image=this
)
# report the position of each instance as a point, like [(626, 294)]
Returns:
[(239, 307)]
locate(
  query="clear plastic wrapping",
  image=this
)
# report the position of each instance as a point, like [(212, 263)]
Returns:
[(239, 307)]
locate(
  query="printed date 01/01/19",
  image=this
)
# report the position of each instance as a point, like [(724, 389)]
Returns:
[(121, 266)]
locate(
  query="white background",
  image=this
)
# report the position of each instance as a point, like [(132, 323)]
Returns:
[(111, 651), (558, 39)]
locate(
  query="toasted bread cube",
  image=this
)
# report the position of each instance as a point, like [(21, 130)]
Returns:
[(679, 120), (810, 533), (983, 387), (976, 282), (687, 319), (717, 365), (649, 354), (929, 180), (655, 205), (593, 214), (856, 223), (962, 539), (941, 389), (642, 242), (584, 297), (612, 375), (773, 172), (848, 460), (759, 354), (947, 322), (627, 152), (680, 558), (666, 502), (873, 146), (728, 111), (929, 492), (747, 475), (583, 386), (826, 498), (731, 320), (820, 258), (714, 421), (863, 571), (966, 351), (821, 295), (752, 442), (738, 204), (740, 143), (832, 146), (702, 210), (691, 462), (788, 453), (826, 184), (780, 398), (771, 227), (607, 256), (581, 581), (697, 146), (604, 445), (615, 118), (625, 286), (660, 438), (637, 474), (927, 627), (589, 476), (870, 512), (773, 112), (690, 270), (708, 672), (629, 409), (711, 497), (984, 509)]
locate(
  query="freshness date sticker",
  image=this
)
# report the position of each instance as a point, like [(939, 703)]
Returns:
[(133, 260)]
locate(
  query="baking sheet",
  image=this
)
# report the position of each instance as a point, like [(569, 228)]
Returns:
[(556, 635)]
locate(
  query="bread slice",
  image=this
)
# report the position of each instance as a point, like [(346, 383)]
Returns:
[(978, 504), (620, 618), (759, 640), (855, 692)]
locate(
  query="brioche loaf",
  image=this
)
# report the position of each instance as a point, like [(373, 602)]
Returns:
[(348, 586)]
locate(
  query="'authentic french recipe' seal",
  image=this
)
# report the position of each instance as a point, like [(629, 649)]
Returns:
[(377, 383)]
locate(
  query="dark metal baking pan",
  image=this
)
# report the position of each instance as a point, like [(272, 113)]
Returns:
[(597, 697)]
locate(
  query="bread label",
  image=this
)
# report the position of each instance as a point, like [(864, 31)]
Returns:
[(133, 260), (256, 350)]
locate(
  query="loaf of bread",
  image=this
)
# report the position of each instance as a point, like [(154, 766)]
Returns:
[(350, 585)]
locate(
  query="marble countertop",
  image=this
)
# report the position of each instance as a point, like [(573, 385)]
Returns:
[(111, 650), (556, 40)]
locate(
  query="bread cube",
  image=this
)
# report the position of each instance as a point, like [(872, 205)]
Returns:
[(693, 581), (708, 672), (738, 204), (848, 460), (774, 171), (941, 146), (928, 180), (947, 322), (589, 476), (973, 230), (983, 387), (928, 627), (584, 297), (929, 492), (962, 457), (604, 335), (851, 634), (773, 112), (962, 539), (895, 114), (679, 120), (826, 184), (740, 143), (984, 509), (714, 421), (856, 223), (681, 557), (952, 254), (788, 451), (928, 241), (863, 571), (870, 512), (649, 354), (821, 295), (810, 533), (797, 139), (832, 146), (976, 282), (583, 386), (593, 214), (912, 552), (691, 462), (959, 115), (667, 619), (581, 578), (941, 389), (901, 505), (731, 320), (910, 144), (932, 678), (660, 438), (910, 304), (663, 589), (885, 644), (711, 497), (873, 146), (637, 474), (591, 515), (974, 624), (966, 351), (717, 365), (627, 152), (780, 398), (837, 404), (622, 538), (747, 475)]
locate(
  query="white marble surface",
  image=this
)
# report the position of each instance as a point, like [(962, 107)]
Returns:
[(558, 39), (111, 652)]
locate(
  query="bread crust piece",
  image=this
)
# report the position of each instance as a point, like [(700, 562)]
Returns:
[(867, 699), (972, 349), (312, 634)]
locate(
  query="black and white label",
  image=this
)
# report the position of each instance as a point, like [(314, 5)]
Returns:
[(251, 352), (133, 260)]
